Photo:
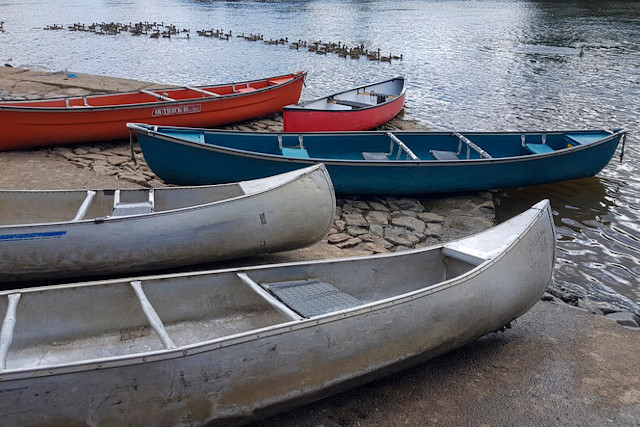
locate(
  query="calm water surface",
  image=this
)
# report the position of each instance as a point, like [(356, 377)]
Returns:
[(471, 65)]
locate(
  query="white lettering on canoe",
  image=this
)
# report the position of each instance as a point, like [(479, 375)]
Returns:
[(178, 109)]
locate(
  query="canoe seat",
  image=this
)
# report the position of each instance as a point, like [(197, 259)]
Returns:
[(579, 139), (246, 89), (367, 155), (124, 209), (353, 104), (311, 297), (443, 155), (278, 81), (300, 153), (135, 208), (538, 148)]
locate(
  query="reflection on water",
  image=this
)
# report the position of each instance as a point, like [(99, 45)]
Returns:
[(595, 248), (472, 65)]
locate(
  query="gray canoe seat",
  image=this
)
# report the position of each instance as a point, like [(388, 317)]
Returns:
[(443, 155), (353, 104), (137, 208), (366, 155), (311, 297), (124, 209)]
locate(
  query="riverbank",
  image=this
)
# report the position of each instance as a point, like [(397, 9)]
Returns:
[(556, 365)]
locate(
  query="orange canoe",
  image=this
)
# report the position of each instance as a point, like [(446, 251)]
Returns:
[(69, 120)]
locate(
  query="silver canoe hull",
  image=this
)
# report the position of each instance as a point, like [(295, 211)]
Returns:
[(226, 351), (76, 233)]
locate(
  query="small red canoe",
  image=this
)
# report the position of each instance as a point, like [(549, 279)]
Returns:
[(361, 108), (69, 120)]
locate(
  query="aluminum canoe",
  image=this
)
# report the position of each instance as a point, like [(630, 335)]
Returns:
[(71, 233), (361, 108), (381, 162), (81, 119), (230, 345)]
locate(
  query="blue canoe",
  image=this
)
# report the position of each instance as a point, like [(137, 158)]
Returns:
[(380, 162)]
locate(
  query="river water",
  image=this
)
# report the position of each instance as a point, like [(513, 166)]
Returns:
[(471, 65)]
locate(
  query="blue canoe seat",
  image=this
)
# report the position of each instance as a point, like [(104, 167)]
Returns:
[(367, 155), (538, 148), (300, 153), (443, 155)]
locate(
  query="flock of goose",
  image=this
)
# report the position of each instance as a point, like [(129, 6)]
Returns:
[(162, 30)]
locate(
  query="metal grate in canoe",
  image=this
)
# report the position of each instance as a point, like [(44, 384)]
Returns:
[(311, 297)]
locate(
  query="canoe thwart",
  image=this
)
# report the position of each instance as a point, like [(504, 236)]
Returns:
[(402, 146), (152, 316), (472, 145), (311, 297), (157, 95), (373, 93), (275, 303), (202, 91), (84, 207), (8, 326)]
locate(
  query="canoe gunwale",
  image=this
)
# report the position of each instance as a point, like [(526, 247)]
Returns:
[(543, 213), (153, 104), (150, 130), (270, 186)]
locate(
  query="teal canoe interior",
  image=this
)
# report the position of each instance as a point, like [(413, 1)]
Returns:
[(354, 146)]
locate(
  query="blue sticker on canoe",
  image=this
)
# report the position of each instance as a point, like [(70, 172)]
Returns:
[(31, 236)]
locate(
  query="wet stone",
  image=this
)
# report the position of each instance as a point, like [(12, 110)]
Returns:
[(433, 229), (358, 204), (351, 209), (349, 243), (625, 318), (117, 160), (377, 206), (104, 170), (340, 225), (403, 212), (355, 219), (400, 236), (413, 224), (356, 231), (377, 217), (337, 238), (430, 217), (374, 247), (397, 204), (376, 229)]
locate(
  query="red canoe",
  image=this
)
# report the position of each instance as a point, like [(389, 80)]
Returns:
[(361, 108), (69, 120)]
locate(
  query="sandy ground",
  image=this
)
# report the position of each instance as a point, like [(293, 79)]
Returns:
[(556, 366)]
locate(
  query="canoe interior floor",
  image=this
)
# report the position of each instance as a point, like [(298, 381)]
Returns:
[(137, 339)]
